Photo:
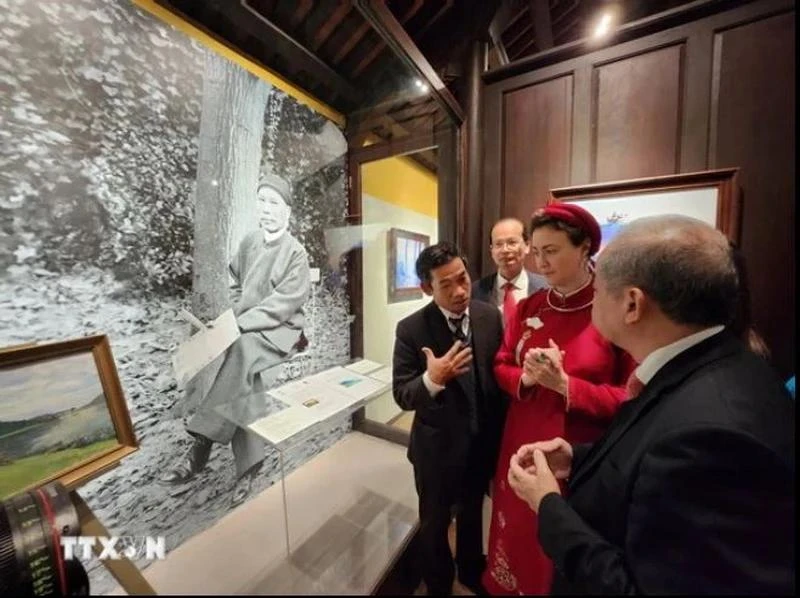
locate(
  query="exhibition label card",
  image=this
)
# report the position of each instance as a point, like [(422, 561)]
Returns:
[(383, 375), (363, 366), (282, 425)]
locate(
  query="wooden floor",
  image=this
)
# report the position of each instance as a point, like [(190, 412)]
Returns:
[(404, 421)]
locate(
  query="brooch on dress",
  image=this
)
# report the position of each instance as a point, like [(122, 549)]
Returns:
[(535, 322)]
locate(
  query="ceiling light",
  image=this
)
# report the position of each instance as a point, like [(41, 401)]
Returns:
[(423, 87), (604, 26)]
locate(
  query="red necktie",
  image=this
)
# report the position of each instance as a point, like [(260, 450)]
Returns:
[(509, 303), (633, 387)]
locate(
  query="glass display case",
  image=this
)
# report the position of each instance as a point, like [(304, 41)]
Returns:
[(347, 512)]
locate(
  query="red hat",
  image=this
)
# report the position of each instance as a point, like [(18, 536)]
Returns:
[(576, 216)]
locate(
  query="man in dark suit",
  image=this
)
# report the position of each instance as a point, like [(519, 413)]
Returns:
[(508, 241), (442, 370), (691, 490)]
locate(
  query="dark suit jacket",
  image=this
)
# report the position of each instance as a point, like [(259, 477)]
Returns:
[(440, 434), (483, 289), (691, 490)]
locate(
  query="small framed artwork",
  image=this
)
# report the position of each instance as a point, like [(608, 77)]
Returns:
[(711, 196), (403, 249), (62, 414)]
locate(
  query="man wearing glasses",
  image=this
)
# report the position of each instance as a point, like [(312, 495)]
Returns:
[(511, 282)]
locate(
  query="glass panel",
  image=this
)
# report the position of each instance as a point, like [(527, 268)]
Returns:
[(407, 175), (339, 535)]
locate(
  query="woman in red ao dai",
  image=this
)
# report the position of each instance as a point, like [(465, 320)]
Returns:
[(564, 379)]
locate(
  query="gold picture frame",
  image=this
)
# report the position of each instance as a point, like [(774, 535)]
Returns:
[(63, 415)]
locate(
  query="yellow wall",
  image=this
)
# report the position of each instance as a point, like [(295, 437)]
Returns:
[(396, 193), (402, 182)]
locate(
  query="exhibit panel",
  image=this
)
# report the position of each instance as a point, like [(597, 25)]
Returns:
[(132, 187)]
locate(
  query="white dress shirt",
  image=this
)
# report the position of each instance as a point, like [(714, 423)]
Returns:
[(660, 357), (433, 388)]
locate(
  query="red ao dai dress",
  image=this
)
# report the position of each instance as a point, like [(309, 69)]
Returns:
[(597, 371)]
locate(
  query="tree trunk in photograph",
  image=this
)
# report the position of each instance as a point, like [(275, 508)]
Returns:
[(228, 165)]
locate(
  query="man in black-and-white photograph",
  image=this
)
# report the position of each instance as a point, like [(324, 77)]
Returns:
[(270, 282)]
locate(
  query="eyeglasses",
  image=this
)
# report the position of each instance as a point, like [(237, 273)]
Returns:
[(510, 243)]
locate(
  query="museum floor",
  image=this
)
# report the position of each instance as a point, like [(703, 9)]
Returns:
[(351, 511)]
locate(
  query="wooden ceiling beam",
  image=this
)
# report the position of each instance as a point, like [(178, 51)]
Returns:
[(351, 42), (392, 32), (519, 35), (499, 22), (564, 13), (514, 18), (301, 12), (403, 146), (523, 48), (448, 4), (331, 23), (295, 53), (542, 25), (412, 10), (378, 48), (374, 118)]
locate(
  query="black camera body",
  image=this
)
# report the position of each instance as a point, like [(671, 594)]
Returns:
[(32, 562)]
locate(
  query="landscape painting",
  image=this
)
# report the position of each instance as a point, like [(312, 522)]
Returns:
[(403, 249), (54, 418), (711, 196)]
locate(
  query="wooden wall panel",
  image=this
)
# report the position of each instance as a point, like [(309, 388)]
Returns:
[(537, 130), (707, 93), (637, 115), (753, 127)]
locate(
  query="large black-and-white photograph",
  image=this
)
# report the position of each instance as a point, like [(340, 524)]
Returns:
[(141, 174)]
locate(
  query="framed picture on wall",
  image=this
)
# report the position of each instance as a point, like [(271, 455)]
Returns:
[(711, 196), (62, 414), (402, 251)]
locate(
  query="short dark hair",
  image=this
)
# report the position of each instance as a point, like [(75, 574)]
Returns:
[(525, 235), (683, 264), (575, 234), (434, 256)]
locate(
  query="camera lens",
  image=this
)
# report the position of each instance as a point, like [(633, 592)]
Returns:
[(31, 558)]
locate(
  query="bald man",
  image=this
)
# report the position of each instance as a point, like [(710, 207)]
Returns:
[(691, 489)]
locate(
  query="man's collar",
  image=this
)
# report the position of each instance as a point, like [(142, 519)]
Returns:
[(273, 237), (660, 357), (451, 316), (519, 281)]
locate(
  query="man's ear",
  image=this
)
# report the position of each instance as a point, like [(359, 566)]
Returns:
[(635, 301), (426, 288)]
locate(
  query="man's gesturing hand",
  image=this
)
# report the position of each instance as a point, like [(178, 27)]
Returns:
[(453, 363)]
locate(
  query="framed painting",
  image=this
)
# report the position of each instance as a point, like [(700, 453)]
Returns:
[(711, 196), (62, 414), (403, 248)]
